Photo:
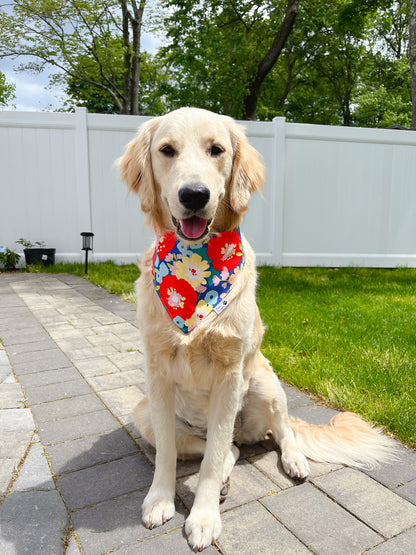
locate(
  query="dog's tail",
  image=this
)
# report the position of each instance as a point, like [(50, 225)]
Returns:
[(348, 439)]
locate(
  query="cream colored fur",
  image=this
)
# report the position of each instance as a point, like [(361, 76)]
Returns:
[(198, 383)]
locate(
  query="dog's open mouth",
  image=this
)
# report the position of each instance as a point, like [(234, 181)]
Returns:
[(193, 228)]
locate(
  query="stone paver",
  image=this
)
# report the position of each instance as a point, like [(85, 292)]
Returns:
[(56, 391), (247, 484), (77, 427), (408, 491), (90, 451), (32, 522), (16, 420), (251, 518), (4, 373), (48, 377), (14, 444), (114, 381), (123, 400), (269, 464), (371, 502), (11, 396), (38, 361), (66, 408), (165, 544), (402, 471), (35, 473), (105, 481), (117, 523), (7, 469), (319, 523), (71, 372), (403, 544)]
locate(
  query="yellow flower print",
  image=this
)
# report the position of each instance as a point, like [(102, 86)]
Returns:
[(193, 269), (202, 309), (235, 276)]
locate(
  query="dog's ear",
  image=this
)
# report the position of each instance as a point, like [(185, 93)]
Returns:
[(247, 174), (136, 166)]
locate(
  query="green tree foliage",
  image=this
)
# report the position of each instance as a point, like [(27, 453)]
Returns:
[(7, 91), (412, 56), (66, 33), (222, 50), (384, 95), (344, 63), (153, 76), (321, 68)]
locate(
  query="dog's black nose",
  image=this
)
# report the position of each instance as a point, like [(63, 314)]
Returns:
[(194, 196)]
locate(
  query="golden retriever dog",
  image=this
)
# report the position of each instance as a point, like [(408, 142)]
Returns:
[(208, 383)]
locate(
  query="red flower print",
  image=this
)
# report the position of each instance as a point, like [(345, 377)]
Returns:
[(225, 250), (166, 244), (178, 296)]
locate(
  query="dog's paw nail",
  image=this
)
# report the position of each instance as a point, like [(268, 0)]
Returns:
[(224, 490)]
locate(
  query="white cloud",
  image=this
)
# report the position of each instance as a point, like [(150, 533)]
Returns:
[(32, 92)]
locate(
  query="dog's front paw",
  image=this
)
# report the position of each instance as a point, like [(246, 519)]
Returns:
[(157, 509), (295, 464), (203, 527)]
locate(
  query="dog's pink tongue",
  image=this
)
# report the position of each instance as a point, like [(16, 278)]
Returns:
[(193, 227)]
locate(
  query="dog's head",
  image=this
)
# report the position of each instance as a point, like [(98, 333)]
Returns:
[(194, 172)]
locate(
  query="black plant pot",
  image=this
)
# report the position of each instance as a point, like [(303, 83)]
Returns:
[(42, 256)]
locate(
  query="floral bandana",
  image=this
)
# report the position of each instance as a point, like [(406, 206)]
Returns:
[(193, 280)]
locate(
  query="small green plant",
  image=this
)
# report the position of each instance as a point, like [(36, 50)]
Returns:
[(29, 245), (8, 258), (66, 538)]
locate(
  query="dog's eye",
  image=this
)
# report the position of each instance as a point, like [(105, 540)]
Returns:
[(168, 150), (216, 150)]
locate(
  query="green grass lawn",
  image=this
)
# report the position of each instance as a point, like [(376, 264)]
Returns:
[(346, 335)]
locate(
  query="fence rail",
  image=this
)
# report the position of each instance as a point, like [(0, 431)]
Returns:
[(333, 196)]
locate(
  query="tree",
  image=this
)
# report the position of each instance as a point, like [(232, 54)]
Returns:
[(218, 49), (358, 65), (60, 34), (7, 93), (399, 34), (265, 65), (153, 76), (384, 96), (224, 50), (412, 56), (318, 74)]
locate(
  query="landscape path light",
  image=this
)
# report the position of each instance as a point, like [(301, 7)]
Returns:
[(87, 245)]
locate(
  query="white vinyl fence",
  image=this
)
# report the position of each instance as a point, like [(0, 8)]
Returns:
[(333, 196)]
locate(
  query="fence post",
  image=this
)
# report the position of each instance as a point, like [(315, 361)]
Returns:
[(83, 187), (278, 186)]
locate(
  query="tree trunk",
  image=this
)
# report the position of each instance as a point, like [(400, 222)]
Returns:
[(127, 58), (131, 78), (346, 114), (412, 57), (136, 24), (266, 64)]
